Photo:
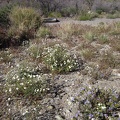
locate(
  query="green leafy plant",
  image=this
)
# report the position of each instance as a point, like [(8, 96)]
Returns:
[(24, 80), (58, 60), (55, 14), (100, 10), (99, 104), (87, 16)]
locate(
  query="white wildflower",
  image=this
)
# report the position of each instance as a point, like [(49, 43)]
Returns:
[(103, 107), (17, 88), (21, 83), (8, 99), (25, 88), (10, 90)]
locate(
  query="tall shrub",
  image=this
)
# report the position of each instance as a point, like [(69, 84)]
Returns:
[(24, 22)]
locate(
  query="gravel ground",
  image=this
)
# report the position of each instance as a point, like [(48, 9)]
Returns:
[(94, 22), (67, 86)]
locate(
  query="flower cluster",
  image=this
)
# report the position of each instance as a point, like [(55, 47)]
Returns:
[(25, 81), (58, 60), (99, 104)]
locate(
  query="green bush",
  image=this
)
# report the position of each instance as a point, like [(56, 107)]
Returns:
[(24, 81), (55, 14), (114, 15), (58, 60), (100, 10), (67, 12), (4, 15), (99, 104), (87, 16)]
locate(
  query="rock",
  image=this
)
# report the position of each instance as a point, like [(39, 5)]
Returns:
[(58, 117)]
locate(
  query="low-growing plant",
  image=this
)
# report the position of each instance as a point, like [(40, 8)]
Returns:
[(67, 30), (115, 44), (109, 60), (43, 32), (114, 15), (103, 28), (115, 28), (97, 72), (5, 56), (55, 14), (25, 81), (35, 52), (103, 38), (89, 36), (99, 104), (100, 10), (88, 54), (87, 16), (58, 60)]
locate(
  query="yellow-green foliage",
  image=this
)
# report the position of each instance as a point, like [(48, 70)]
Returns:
[(67, 30), (43, 32), (25, 18)]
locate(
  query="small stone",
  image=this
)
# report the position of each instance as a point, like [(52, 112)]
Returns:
[(50, 107), (58, 117)]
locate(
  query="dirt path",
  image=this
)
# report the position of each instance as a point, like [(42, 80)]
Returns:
[(94, 22)]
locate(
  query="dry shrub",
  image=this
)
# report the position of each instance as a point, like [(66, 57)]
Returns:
[(68, 29), (24, 22)]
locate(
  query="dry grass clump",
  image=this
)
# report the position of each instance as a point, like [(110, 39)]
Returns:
[(88, 54), (43, 32), (67, 30), (24, 22), (115, 28), (102, 28), (90, 36), (109, 60), (103, 39), (25, 18)]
